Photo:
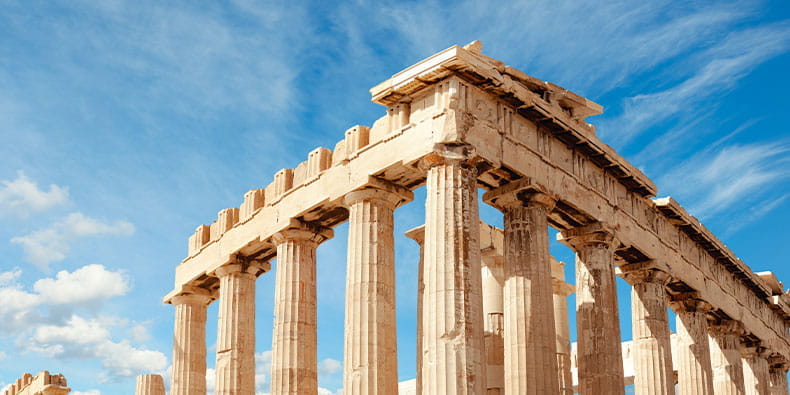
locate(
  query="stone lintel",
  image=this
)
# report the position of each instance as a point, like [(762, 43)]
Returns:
[(522, 192), (379, 189), (560, 287), (598, 232), (300, 230)]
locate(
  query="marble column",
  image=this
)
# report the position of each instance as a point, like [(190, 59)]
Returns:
[(418, 235), (600, 358), (529, 336), (493, 314), (778, 376), (695, 375), (561, 291), (235, 367), (452, 313), (756, 376), (150, 384), (725, 355), (189, 342), (651, 345), (294, 340), (370, 354)]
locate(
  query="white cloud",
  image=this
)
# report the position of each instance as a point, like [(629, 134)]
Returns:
[(88, 284), (211, 380), (86, 287), (10, 277), (45, 246), (139, 333), (22, 196), (82, 338), (329, 366)]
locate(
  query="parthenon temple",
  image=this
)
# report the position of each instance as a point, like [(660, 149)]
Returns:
[(492, 314)]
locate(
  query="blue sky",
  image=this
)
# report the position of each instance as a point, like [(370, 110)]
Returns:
[(124, 125)]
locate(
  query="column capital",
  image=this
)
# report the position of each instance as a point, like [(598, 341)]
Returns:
[(726, 327), (645, 272), (689, 302), (417, 234), (188, 294), (560, 287), (754, 351), (778, 362), (520, 193), (241, 264), (594, 234), (380, 190), (448, 154), (303, 231)]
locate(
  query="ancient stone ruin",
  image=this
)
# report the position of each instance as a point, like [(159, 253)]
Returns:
[(43, 383), (493, 316)]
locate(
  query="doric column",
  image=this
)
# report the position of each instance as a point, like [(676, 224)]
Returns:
[(695, 375), (493, 314), (529, 336), (651, 346), (235, 367), (561, 291), (452, 336), (756, 377), (778, 376), (149, 384), (189, 341), (294, 340), (599, 356), (725, 355), (418, 235), (370, 355)]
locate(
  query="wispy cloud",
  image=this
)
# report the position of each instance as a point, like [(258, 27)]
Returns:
[(719, 69), (51, 244), (736, 175), (22, 196)]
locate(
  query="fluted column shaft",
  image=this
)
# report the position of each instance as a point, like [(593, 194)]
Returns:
[(725, 354), (756, 377), (418, 235), (778, 379), (600, 359), (295, 341), (150, 384), (561, 290), (651, 343), (189, 343), (453, 356), (529, 336), (695, 375), (370, 355), (235, 367), (493, 313)]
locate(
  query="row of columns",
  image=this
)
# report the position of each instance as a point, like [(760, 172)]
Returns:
[(451, 340)]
